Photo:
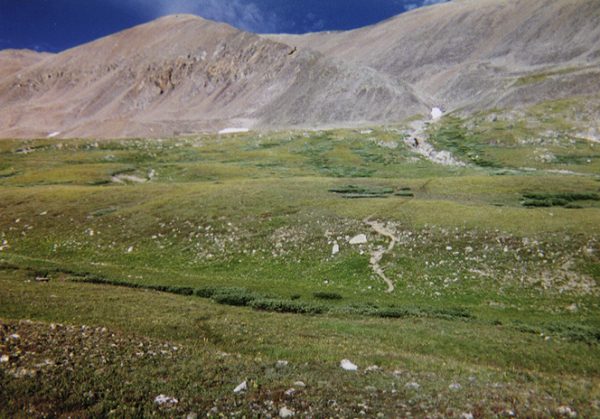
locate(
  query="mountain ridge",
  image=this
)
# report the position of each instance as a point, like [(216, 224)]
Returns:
[(183, 74)]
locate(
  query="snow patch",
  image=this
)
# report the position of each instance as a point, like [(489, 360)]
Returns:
[(436, 113), (233, 130), (53, 134)]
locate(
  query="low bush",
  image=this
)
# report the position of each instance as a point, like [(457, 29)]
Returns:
[(327, 296), (286, 306), (536, 199), (234, 296)]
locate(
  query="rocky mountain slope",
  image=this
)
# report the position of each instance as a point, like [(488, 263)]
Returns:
[(479, 53), (183, 74)]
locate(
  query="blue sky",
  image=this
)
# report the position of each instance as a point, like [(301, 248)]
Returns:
[(55, 25)]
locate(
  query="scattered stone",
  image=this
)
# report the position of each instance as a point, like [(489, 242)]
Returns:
[(15, 336), (192, 415), (281, 364), (467, 415), (290, 392), (573, 308), (284, 412), (567, 411), (372, 368), (348, 365), (299, 384), (412, 385), (163, 400), (359, 239), (455, 386), (243, 386), (130, 249), (4, 358), (335, 250)]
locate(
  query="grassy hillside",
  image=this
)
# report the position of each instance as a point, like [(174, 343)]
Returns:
[(223, 246)]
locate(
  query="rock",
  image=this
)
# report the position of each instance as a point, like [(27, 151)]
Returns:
[(359, 239), (281, 364), (335, 250), (130, 249), (348, 365), (243, 386), (412, 385), (455, 386), (573, 308), (467, 415), (192, 415), (290, 392), (372, 368), (284, 412), (299, 384), (567, 411), (4, 358), (162, 400)]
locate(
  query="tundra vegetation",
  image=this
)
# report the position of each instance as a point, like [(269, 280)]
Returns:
[(155, 276)]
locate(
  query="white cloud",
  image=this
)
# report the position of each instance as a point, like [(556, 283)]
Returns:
[(241, 14), (430, 2)]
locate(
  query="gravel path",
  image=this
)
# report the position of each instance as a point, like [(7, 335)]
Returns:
[(378, 253)]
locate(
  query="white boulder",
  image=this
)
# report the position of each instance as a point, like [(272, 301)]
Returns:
[(348, 365), (359, 239)]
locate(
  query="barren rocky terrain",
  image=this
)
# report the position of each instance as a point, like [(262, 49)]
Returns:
[(183, 74)]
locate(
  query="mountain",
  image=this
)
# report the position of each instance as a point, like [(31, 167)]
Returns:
[(469, 53), (183, 74), (12, 61)]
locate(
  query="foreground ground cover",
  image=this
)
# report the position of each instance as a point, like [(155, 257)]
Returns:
[(244, 250)]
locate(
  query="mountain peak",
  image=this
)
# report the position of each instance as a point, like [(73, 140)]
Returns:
[(184, 73)]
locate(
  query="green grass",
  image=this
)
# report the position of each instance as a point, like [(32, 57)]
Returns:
[(228, 248)]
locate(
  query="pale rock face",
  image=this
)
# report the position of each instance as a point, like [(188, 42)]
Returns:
[(359, 239)]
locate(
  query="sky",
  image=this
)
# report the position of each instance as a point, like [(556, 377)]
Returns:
[(56, 25)]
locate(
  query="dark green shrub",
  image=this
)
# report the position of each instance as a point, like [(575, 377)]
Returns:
[(286, 306), (327, 295), (397, 312), (180, 290), (206, 292), (450, 313), (234, 296)]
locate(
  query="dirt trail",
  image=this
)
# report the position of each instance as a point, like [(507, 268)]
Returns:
[(417, 141), (378, 253)]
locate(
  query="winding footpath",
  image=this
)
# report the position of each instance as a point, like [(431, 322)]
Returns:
[(417, 142), (378, 253)]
